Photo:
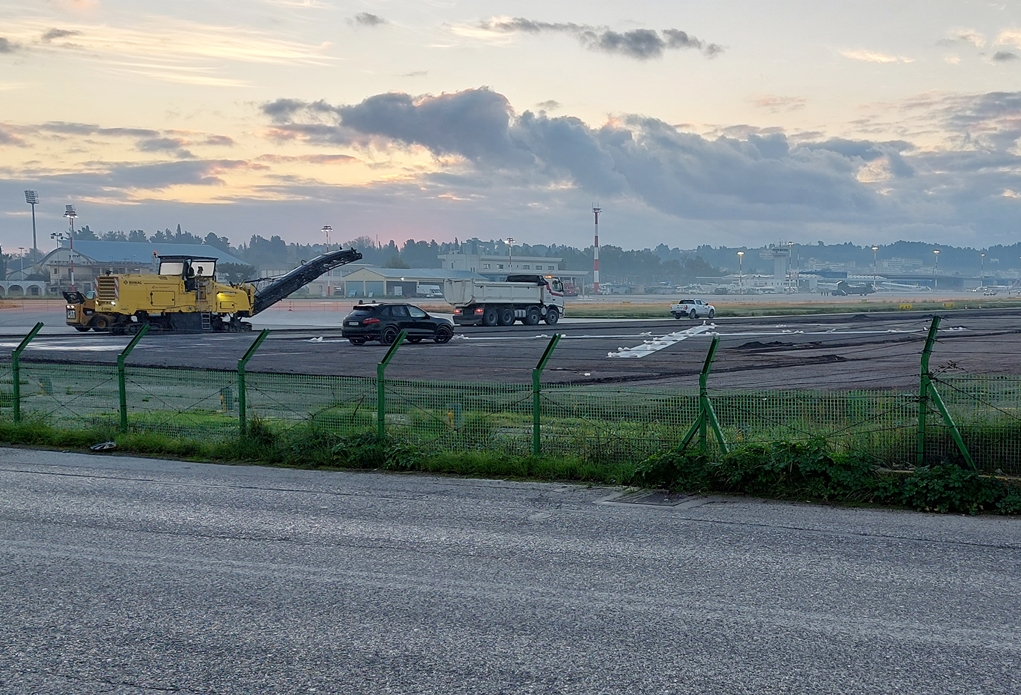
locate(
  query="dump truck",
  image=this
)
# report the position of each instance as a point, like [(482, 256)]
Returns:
[(525, 298), (185, 297)]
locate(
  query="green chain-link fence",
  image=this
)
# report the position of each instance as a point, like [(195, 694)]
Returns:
[(595, 422)]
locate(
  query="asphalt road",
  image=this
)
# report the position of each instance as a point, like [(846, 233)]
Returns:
[(123, 575), (877, 350)]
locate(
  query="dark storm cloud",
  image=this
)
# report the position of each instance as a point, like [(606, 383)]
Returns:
[(641, 44), (8, 46), (365, 19), (674, 172), (1004, 57), (58, 34)]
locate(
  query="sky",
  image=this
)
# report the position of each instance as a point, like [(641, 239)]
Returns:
[(734, 122)]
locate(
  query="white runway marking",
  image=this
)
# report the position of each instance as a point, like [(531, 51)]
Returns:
[(65, 347), (651, 346)]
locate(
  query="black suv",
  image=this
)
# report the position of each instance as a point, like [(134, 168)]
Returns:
[(384, 322)]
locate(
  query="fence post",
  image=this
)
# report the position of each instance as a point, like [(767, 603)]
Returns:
[(16, 369), (120, 375), (242, 391), (381, 385), (536, 392), (706, 413), (929, 392), (923, 390)]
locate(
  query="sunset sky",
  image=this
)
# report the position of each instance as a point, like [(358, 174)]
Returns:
[(730, 122)]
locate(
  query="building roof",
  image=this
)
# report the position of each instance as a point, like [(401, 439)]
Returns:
[(140, 252)]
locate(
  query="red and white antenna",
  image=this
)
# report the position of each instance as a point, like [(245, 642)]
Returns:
[(595, 253)]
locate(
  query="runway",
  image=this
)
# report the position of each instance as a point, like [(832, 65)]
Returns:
[(827, 351)]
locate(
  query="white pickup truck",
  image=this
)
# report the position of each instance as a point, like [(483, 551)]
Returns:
[(692, 308), (526, 298)]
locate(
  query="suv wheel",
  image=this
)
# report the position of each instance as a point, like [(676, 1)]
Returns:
[(712, 313), (357, 341), (692, 314), (443, 334), (389, 335)]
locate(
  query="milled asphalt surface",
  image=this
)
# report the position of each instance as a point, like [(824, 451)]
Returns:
[(123, 575), (829, 351)]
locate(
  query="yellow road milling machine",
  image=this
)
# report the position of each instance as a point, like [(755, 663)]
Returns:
[(184, 297)]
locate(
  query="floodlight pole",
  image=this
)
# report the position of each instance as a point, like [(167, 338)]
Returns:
[(32, 198), (70, 214)]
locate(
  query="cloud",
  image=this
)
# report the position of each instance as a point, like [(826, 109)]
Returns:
[(674, 172), (416, 73), (971, 36), (1009, 37), (7, 138), (865, 56), (640, 44), (8, 46), (308, 158), (548, 105), (1004, 57), (174, 146), (365, 19), (58, 34), (219, 141), (776, 104)]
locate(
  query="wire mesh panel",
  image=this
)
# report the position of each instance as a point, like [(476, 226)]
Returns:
[(69, 396), (613, 423), (181, 402), (877, 423), (6, 389), (345, 405), (451, 416), (987, 412)]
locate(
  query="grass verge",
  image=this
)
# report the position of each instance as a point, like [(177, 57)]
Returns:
[(781, 470)]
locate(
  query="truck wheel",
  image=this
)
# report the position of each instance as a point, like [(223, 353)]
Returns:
[(389, 335), (712, 313), (693, 314), (490, 317), (532, 317), (552, 316), (132, 328), (82, 329), (100, 324), (506, 317)]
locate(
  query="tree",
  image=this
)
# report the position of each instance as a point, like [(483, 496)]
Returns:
[(396, 262), (234, 273), (218, 242), (137, 235), (115, 236)]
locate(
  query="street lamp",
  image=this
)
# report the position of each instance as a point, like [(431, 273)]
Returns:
[(935, 270), (326, 230), (70, 214), (510, 254), (982, 278), (875, 255), (32, 198), (22, 249), (740, 269)]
